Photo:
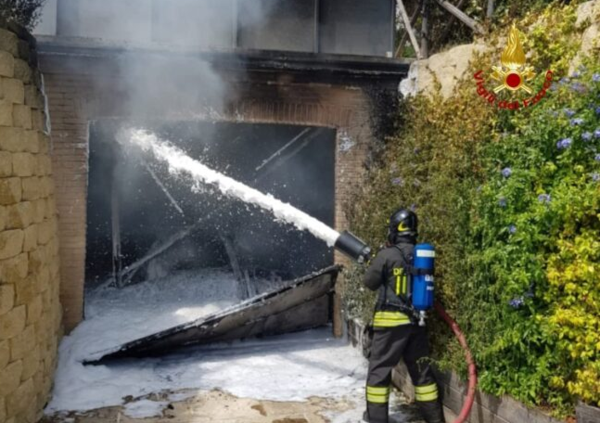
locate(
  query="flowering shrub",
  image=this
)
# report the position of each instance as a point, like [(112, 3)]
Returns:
[(537, 255), (511, 199)]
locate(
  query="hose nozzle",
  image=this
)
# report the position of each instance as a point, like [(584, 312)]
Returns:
[(353, 247)]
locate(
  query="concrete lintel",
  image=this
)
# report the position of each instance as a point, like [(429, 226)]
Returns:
[(330, 68)]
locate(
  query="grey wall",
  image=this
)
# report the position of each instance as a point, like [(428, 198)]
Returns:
[(285, 25), (356, 27), (203, 23), (120, 20)]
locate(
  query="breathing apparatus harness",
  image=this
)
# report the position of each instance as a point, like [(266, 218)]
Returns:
[(418, 268)]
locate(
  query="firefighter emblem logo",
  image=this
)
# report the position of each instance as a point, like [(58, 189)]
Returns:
[(513, 74), (513, 77)]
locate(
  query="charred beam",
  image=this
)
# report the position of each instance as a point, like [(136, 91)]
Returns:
[(116, 230), (451, 21), (129, 272), (284, 159), (460, 15), (282, 149), (164, 189), (235, 266), (413, 20), (409, 28), (425, 30)]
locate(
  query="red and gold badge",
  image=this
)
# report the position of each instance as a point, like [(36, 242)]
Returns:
[(513, 73)]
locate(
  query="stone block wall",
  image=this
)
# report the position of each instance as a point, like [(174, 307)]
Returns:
[(30, 313)]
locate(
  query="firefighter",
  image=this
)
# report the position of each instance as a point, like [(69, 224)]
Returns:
[(396, 334)]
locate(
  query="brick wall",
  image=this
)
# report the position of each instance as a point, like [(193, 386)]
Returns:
[(82, 89), (30, 313)]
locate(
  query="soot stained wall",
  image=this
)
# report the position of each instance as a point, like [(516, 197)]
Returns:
[(86, 87)]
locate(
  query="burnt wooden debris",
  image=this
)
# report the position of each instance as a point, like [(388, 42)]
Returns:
[(266, 314), (422, 9)]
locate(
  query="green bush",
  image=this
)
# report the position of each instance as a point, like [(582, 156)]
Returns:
[(511, 199), (23, 12), (533, 251)]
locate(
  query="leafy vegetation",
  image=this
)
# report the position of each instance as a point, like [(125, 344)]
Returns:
[(511, 199), (23, 12), (446, 31)]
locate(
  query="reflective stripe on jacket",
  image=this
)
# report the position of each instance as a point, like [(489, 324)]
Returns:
[(387, 273)]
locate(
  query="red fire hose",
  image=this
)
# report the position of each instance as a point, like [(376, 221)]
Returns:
[(464, 413)]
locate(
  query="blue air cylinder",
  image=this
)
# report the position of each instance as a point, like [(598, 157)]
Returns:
[(422, 289)]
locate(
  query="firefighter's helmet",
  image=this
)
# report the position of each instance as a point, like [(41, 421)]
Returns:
[(403, 223)]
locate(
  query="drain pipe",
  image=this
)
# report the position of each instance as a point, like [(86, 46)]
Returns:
[(358, 250)]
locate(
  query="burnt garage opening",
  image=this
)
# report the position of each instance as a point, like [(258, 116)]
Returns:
[(143, 224)]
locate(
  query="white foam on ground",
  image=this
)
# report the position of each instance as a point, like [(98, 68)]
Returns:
[(144, 408), (180, 163), (291, 367)]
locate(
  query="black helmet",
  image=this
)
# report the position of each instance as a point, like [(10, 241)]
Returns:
[(403, 223)]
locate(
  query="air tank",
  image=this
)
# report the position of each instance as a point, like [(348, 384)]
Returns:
[(423, 286)]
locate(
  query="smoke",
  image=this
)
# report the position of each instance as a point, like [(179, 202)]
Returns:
[(171, 87), (167, 68), (172, 70)]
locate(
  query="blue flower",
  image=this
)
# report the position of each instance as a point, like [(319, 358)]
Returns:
[(569, 112), (397, 181), (576, 121), (516, 302), (563, 80), (512, 229), (575, 74), (565, 143), (597, 158), (586, 136), (502, 202), (596, 77), (596, 177), (544, 198), (597, 133), (579, 87), (506, 172), (598, 110)]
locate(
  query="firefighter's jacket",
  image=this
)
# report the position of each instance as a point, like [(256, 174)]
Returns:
[(388, 273)]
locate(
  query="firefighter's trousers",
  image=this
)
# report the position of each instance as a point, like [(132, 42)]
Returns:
[(389, 345)]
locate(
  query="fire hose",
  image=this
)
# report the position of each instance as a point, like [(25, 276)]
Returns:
[(357, 249), (464, 413)]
